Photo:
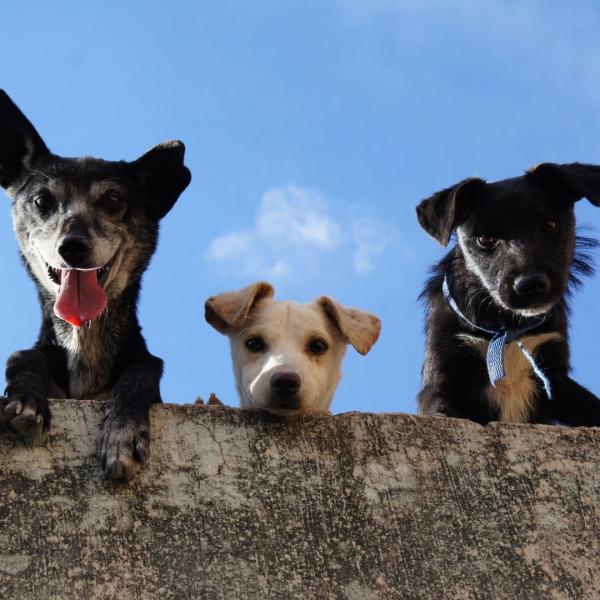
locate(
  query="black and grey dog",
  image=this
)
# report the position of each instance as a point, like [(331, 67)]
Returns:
[(86, 230), (497, 336)]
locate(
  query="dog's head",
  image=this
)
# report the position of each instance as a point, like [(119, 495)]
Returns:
[(287, 356), (516, 235), (86, 227)]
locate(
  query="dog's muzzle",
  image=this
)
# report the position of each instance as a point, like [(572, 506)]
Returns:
[(81, 296)]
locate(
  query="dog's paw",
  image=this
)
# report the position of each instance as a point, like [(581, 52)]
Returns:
[(213, 401), (125, 445), (28, 414)]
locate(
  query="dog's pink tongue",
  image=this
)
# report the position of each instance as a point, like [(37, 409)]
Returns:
[(80, 298)]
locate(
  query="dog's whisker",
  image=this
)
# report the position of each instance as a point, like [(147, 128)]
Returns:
[(485, 299), (45, 175)]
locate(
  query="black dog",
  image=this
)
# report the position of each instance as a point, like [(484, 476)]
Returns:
[(497, 337), (86, 230)]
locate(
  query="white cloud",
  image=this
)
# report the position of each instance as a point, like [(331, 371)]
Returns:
[(230, 246), (371, 238), (294, 233), (294, 216)]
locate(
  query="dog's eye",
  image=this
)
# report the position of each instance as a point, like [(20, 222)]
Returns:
[(44, 202), (112, 201), (487, 241), (317, 347), (255, 344), (549, 226)]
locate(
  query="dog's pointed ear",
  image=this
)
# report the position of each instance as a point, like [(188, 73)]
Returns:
[(20, 144), (572, 181), (230, 310), (359, 328), (439, 214), (163, 176)]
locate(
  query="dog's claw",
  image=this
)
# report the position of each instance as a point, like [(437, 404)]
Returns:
[(117, 470), (13, 409), (25, 418), (28, 424), (140, 452), (125, 445)]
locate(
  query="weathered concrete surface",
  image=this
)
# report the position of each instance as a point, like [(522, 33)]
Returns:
[(241, 505)]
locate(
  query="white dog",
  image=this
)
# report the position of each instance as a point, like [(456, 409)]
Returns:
[(287, 356)]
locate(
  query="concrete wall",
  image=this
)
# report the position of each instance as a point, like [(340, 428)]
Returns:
[(240, 505)]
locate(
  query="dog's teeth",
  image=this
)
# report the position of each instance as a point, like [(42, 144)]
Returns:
[(54, 274), (102, 271)]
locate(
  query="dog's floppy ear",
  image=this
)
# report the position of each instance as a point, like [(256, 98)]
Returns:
[(360, 328), (20, 144), (573, 181), (163, 176), (438, 215), (231, 309)]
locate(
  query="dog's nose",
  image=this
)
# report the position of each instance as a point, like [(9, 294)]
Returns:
[(532, 286), (75, 249), (285, 384)]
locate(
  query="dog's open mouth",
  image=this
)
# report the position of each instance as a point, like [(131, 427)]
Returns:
[(101, 273), (81, 296)]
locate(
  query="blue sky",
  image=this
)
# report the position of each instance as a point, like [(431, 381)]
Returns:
[(312, 129)]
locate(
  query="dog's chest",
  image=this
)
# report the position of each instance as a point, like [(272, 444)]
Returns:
[(514, 396), (88, 363)]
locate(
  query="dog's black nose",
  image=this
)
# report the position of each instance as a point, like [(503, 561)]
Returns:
[(533, 286), (285, 384), (75, 249)]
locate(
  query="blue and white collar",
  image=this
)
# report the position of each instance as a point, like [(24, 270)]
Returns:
[(501, 337)]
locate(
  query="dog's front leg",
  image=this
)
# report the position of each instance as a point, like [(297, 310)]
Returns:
[(573, 404), (434, 402), (126, 430), (28, 385)]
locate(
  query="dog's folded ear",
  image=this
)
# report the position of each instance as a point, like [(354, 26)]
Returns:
[(20, 144), (163, 176), (572, 181), (440, 214), (229, 311), (360, 328)]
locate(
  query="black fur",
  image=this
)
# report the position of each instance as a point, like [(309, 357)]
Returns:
[(107, 357), (482, 280)]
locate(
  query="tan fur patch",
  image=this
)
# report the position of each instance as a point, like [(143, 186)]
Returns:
[(514, 395)]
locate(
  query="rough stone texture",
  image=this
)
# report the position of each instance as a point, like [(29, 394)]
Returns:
[(241, 505)]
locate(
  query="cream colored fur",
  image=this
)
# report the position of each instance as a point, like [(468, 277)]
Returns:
[(287, 329)]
